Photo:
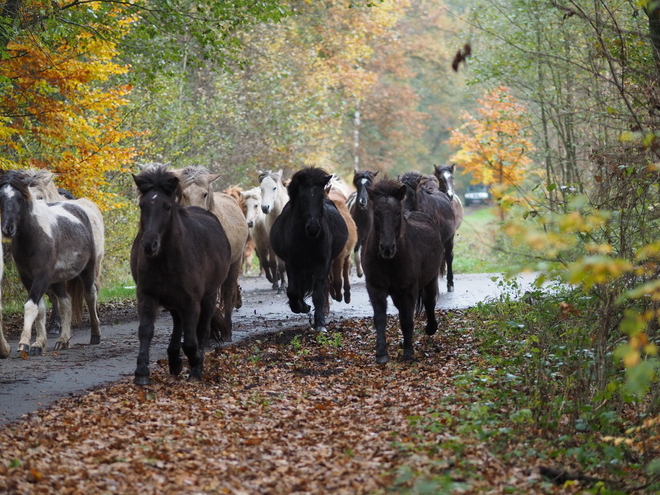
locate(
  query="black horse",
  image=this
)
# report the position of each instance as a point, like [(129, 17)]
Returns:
[(361, 211), (402, 258), (423, 194), (179, 259), (309, 233)]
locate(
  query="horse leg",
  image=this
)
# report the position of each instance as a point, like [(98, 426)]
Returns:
[(335, 278), (379, 304), (356, 258), (55, 327), (191, 347), (5, 348), (430, 296), (31, 309), (281, 274), (64, 302), (228, 289), (147, 310), (347, 279), (90, 294), (318, 299), (449, 257), (406, 306), (207, 307), (174, 359), (296, 301)]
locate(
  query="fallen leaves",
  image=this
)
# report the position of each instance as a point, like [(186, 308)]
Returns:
[(286, 413)]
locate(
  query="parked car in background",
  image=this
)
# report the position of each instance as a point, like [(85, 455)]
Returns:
[(477, 194)]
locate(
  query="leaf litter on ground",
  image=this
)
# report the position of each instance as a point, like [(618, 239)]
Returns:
[(290, 412)]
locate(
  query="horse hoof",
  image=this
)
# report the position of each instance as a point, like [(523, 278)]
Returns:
[(305, 307), (407, 356), (54, 330), (382, 359), (61, 346), (142, 380), (95, 340), (5, 356), (24, 348), (347, 297), (430, 330), (36, 351), (322, 329), (450, 288)]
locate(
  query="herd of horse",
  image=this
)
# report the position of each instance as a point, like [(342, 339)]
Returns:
[(191, 244)]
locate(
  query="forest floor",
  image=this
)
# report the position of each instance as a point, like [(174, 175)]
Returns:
[(297, 412)]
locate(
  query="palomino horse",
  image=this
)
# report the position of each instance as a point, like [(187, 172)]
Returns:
[(422, 194), (402, 258), (273, 198), (361, 211), (197, 190), (308, 234), (236, 192), (51, 244), (179, 260), (42, 188), (341, 265), (445, 176)]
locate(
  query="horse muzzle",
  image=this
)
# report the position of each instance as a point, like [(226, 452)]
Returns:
[(313, 230), (250, 224), (151, 248), (9, 231), (265, 209), (362, 202), (387, 252)]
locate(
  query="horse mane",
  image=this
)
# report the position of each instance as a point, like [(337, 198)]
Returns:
[(388, 187), (307, 176), (194, 174), (159, 179), (18, 179), (255, 192)]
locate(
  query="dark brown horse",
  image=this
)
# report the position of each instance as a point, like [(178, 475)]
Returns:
[(179, 260), (308, 234), (423, 194), (402, 258), (361, 211)]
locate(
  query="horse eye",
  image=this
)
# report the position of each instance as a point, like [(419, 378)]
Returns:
[(275, 188), (206, 194)]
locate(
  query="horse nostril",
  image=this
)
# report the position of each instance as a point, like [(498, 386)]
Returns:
[(265, 209)]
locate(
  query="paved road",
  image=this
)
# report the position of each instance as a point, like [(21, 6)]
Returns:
[(27, 385)]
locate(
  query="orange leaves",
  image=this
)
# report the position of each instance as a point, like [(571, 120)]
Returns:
[(494, 146), (65, 111)]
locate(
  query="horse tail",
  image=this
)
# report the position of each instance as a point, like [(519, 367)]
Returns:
[(219, 327), (75, 290)]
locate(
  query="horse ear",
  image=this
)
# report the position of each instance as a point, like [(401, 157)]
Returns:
[(213, 177), (453, 167), (435, 168), (262, 175)]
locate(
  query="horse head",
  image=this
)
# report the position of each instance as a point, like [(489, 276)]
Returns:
[(362, 181), (387, 198), (160, 194), (196, 186), (271, 185), (307, 191), (14, 196), (252, 198), (445, 176)]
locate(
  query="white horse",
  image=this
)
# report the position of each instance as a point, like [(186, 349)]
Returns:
[(273, 198), (256, 221)]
